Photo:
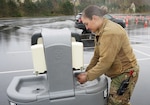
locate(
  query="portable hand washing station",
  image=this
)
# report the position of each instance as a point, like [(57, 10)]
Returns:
[(55, 83)]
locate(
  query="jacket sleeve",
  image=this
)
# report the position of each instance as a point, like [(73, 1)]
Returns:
[(108, 49), (93, 61)]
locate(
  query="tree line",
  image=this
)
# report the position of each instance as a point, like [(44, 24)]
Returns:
[(10, 8), (119, 6), (40, 8)]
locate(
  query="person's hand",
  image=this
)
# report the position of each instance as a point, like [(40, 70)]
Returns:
[(82, 77)]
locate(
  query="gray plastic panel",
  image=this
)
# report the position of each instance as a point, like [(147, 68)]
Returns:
[(93, 97), (57, 46), (26, 88)]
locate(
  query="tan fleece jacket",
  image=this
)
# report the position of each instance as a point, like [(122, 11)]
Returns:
[(113, 53)]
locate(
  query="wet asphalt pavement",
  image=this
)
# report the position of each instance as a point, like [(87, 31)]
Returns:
[(16, 59)]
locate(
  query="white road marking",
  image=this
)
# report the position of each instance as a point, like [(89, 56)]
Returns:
[(15, 71), (142, 46), (16, 52), (143, 59), (141, 52), (27, 70)]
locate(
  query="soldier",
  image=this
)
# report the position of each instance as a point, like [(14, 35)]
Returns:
[(113, 56)]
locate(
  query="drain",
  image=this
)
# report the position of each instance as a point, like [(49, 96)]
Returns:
[(37, 90)]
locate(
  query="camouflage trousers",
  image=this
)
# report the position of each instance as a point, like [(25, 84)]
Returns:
[(114, 98)]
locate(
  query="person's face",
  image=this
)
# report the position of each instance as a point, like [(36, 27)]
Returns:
[(90, 24)]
